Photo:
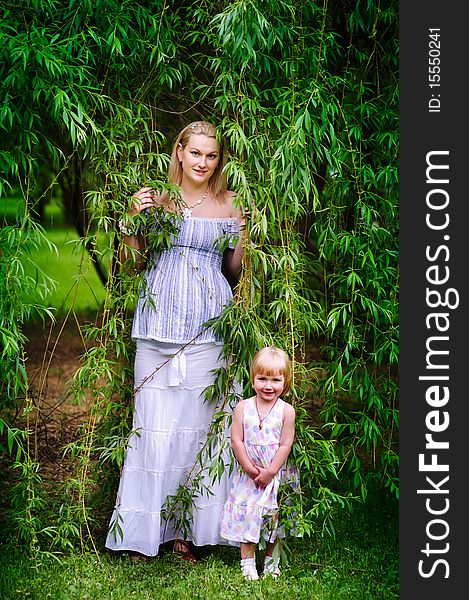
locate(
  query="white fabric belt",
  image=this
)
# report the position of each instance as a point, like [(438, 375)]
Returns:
[(177, 369)]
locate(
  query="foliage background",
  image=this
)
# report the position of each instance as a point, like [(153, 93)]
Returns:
[(92, 94)]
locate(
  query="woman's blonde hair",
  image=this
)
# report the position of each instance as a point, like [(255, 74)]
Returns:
[(217, 184), (272, 361)]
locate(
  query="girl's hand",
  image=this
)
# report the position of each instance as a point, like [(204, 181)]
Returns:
[(264, 477), (254, 472), (144, 199)]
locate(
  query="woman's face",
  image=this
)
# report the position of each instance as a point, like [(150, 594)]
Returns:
[(199, 159)]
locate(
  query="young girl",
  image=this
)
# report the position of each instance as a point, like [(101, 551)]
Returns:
[(262, 435)]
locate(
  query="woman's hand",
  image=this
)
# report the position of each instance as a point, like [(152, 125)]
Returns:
[(144, 198), (245, 214)]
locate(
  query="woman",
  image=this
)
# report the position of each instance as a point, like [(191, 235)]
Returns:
[(175, 352)]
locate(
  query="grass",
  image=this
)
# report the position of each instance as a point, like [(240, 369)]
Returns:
[(77, 283), (361, 563)]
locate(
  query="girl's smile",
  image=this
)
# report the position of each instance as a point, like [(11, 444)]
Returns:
[(268, 387)]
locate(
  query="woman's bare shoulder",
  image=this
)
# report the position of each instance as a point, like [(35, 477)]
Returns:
[(230, 200)]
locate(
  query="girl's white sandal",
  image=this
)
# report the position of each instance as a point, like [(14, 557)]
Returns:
[(248, 569), (271, 567)]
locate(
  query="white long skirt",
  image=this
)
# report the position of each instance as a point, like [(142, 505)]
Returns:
[(172, 419)]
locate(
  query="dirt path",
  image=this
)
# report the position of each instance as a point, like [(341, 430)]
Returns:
[(53, 356)]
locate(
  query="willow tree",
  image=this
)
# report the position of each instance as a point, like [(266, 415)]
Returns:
[(306, 94)]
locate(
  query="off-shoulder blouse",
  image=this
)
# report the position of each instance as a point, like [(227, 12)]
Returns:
[(183, 286)]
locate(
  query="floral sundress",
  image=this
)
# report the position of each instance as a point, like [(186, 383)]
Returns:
[(250, 512)]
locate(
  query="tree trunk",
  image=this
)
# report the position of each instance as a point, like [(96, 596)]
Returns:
[(76, 212)]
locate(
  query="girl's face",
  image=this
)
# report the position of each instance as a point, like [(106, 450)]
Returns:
[(199, 159), (268, 387)]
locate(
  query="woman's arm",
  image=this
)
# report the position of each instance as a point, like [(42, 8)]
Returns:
[(134, 244), (286, 442), (132, 249), (237, 441)]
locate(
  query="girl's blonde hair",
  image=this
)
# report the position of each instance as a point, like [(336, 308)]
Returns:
[(217, 184), (272, 361)]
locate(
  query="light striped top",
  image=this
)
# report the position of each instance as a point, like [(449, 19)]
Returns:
[(183, 285)]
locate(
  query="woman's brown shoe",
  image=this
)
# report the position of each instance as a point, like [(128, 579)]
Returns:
[(136, 557), (182, 550)]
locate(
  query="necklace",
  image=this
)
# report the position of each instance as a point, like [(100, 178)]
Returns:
[(261, 419), (187, 210)]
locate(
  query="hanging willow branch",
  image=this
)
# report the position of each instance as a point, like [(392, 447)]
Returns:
[(306, 95)]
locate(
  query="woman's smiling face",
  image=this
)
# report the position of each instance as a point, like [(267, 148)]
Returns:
[(199, 159)]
